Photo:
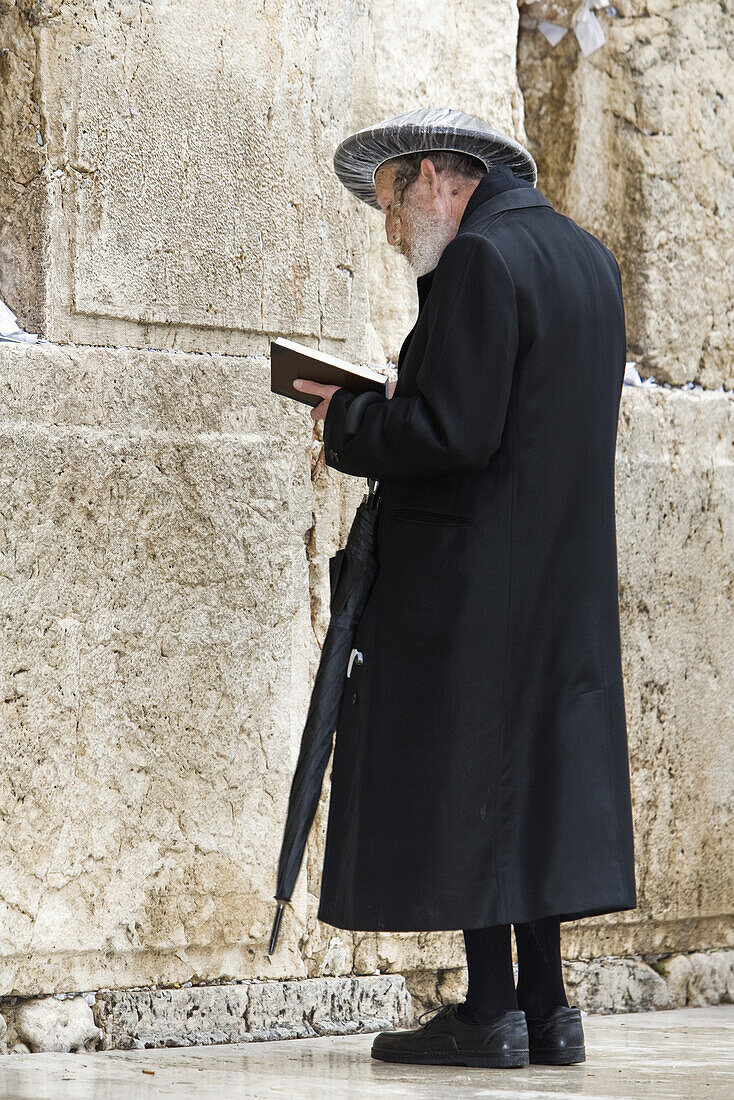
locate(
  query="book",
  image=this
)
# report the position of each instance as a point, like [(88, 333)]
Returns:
[(289, 360)]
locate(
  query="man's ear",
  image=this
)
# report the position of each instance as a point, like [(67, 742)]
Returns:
[(428, 169)]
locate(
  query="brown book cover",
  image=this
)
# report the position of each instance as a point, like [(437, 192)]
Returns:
[(289, 360)]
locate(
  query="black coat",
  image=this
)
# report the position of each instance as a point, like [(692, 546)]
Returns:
[(480, 771)]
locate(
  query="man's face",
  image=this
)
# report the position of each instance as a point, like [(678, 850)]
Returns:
[(427, 219)]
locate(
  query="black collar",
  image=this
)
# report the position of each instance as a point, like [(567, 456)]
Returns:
[(514, 199), (495, 181)]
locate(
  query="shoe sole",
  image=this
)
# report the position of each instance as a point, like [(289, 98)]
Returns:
[(508, 1059), (558, 1057)]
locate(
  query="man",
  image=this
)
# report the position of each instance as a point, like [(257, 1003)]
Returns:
[(480, 774)]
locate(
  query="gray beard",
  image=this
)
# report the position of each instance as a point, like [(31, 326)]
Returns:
[(429, 238)]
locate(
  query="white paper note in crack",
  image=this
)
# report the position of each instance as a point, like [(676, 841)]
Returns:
[(632, 376), (9, 329), (589, 31), (552, 31)]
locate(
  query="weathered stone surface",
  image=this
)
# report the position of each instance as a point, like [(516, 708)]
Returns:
[(154, 637), (133, 1019), (154, 656), (675, 493), (701, 978), (186, 195), (636, 143), (634, 985), (429, 988), (251, 1011), (51, 1024), (326, 1006), (615, 985), (169, 167)]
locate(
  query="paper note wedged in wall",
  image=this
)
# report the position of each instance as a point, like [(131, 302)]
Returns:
[(552, 31), (586, 25), (588, 30), (9, 329)]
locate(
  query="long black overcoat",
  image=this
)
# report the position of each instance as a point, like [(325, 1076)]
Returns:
[(480, 771)]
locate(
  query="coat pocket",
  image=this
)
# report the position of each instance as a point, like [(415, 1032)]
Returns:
[(417, 515)]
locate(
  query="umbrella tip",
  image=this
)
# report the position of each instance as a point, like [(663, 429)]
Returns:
[(276, 927)]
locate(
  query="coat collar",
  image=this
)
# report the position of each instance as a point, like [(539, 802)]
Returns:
[(495, 180), (513, 199)]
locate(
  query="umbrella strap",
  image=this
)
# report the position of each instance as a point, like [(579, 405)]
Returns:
[(373, 489)]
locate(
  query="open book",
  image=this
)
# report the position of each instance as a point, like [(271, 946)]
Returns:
[(289, 360)]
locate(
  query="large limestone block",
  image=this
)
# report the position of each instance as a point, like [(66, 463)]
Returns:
[(616, 985), (154, 656), (167, 168), (250, 1011), (326, 1006), (51, 1024), (636, 143), (179, 164), (134, 1019), (701, 978), (675, 488)]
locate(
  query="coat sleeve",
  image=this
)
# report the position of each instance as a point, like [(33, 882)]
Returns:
[(454, 423)]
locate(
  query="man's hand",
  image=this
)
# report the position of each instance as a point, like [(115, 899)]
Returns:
[(318, 411)]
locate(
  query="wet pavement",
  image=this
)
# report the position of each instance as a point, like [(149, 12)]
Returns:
[(671, 1055)]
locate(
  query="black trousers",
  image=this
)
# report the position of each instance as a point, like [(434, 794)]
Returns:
[(491, 989)]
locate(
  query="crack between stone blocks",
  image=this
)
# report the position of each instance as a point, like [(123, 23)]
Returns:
[(312, 602), (662, 385)]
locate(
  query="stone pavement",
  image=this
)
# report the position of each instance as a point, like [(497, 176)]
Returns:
[(676, 1054)]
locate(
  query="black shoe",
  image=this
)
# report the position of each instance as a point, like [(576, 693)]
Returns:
[(558, 1038), (445, 1040)]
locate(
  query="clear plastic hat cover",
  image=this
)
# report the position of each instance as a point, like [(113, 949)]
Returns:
[(358, 157)]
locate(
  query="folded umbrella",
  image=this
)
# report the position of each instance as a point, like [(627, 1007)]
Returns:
[(352, 571)]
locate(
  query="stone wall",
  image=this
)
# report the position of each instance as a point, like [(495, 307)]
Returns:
[(156, 634), (169, 205), (256, 1011), (636, 142)]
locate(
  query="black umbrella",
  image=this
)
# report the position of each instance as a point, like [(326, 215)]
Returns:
[(352, 571)]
